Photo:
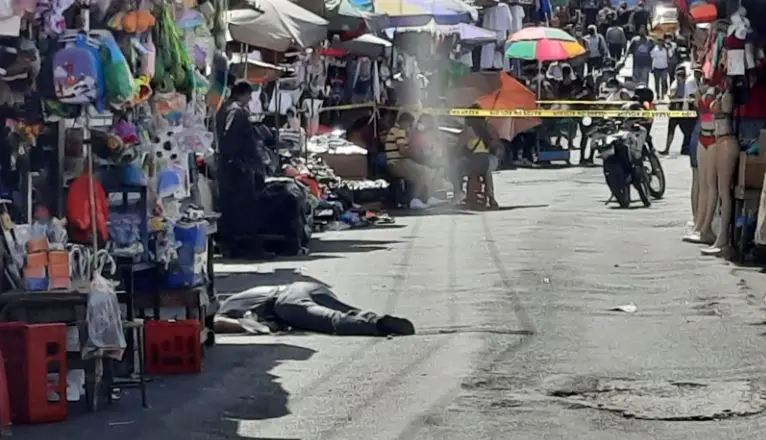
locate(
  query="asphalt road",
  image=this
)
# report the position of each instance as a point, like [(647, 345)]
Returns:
[(515, 340)]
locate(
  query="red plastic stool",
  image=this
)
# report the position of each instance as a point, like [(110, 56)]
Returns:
[(5, 403)]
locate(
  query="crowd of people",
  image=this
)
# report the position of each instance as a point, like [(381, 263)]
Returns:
[(612, 36)]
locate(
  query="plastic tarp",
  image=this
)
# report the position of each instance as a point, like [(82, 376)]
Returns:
[(467, 33), (366, 45), (279, 25)]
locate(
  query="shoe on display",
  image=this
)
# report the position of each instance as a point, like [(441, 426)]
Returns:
[(418, 204)]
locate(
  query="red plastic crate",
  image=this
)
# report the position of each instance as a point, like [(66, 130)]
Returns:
[(5, 402), (172, 347), (31, 351)]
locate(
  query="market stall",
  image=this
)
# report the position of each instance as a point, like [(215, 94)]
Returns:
[(103, 131)]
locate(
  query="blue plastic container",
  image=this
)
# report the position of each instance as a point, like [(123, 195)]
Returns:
[(35, 284), (193, 240)]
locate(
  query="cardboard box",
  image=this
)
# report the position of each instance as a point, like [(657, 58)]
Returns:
[(58, 270), (347, 166), (751, 170), (37, 261), (37, 245)]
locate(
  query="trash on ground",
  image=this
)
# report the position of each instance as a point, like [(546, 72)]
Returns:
[(627, 308)]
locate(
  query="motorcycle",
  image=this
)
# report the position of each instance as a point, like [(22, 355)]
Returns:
[(621, 146), (644, 98)]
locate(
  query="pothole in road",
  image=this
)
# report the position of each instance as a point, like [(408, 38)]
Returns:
[(661, 400)]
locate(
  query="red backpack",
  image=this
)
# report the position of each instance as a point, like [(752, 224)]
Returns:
[(78, 210)]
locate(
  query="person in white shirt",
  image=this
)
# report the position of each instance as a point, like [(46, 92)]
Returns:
[(660, 56), (684, 92)]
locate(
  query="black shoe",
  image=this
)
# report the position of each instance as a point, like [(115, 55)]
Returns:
[(685, 152), (391, 325), (664, 153)]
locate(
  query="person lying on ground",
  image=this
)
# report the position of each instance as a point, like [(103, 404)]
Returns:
[(303, 305)]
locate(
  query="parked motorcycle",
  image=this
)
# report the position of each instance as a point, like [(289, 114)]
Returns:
[(644, 98), (621, 146)]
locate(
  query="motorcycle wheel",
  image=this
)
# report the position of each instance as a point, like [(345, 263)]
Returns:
[(654, 173), (616, 181), (641, 182)]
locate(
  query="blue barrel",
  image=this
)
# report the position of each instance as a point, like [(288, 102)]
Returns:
[(192, 238)]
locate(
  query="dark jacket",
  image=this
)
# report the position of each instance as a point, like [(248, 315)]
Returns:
[(237, 139)]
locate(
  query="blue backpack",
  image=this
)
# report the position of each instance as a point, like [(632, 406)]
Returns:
[(78, 73)]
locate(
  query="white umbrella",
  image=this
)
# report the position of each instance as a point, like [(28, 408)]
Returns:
[(365, 44), (278, 25)]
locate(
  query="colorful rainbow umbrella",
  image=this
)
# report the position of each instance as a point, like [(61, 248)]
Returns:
[(543, 44)]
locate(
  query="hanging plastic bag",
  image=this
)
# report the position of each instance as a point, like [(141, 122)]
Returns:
[(105, 334), (117, 76)]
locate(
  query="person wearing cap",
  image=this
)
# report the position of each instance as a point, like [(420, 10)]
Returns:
[(682, 95)]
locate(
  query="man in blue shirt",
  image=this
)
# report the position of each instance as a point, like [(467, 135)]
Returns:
[(640, 48)]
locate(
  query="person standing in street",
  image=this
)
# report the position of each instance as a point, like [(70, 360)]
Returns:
[(639, 18), (616, 40), (597, 51), (673, 58), (660, 58), (682, 94), (640, 48), (623, 14), (605, 17)]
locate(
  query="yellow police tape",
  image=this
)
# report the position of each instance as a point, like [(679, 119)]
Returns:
[(544, 113), (521, 113), (571, 102)]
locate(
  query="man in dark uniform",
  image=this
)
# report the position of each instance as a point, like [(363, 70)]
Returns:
[(242, 170)]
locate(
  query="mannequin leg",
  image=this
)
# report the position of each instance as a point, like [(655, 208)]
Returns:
[(707, 199), (695, 194), (710, 182), (726, 155)]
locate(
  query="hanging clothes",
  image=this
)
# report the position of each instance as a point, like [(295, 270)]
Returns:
[(499, 19)]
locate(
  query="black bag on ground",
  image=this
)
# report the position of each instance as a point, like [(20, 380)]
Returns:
[(284, 216)]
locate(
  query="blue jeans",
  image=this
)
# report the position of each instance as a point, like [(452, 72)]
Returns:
[(641, 75), (694, 144)]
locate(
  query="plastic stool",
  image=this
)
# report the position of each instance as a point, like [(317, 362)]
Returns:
[(5, 403)]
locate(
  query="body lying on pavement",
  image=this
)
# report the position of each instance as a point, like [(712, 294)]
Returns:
[(308, 306)]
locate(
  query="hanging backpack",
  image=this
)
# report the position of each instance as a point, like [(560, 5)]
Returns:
[(120, 86), (78, 74)]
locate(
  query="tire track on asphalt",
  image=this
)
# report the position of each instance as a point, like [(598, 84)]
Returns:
[(400, 376), (526, 333)]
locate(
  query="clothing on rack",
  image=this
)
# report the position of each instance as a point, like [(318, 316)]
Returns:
[(499, 19)]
